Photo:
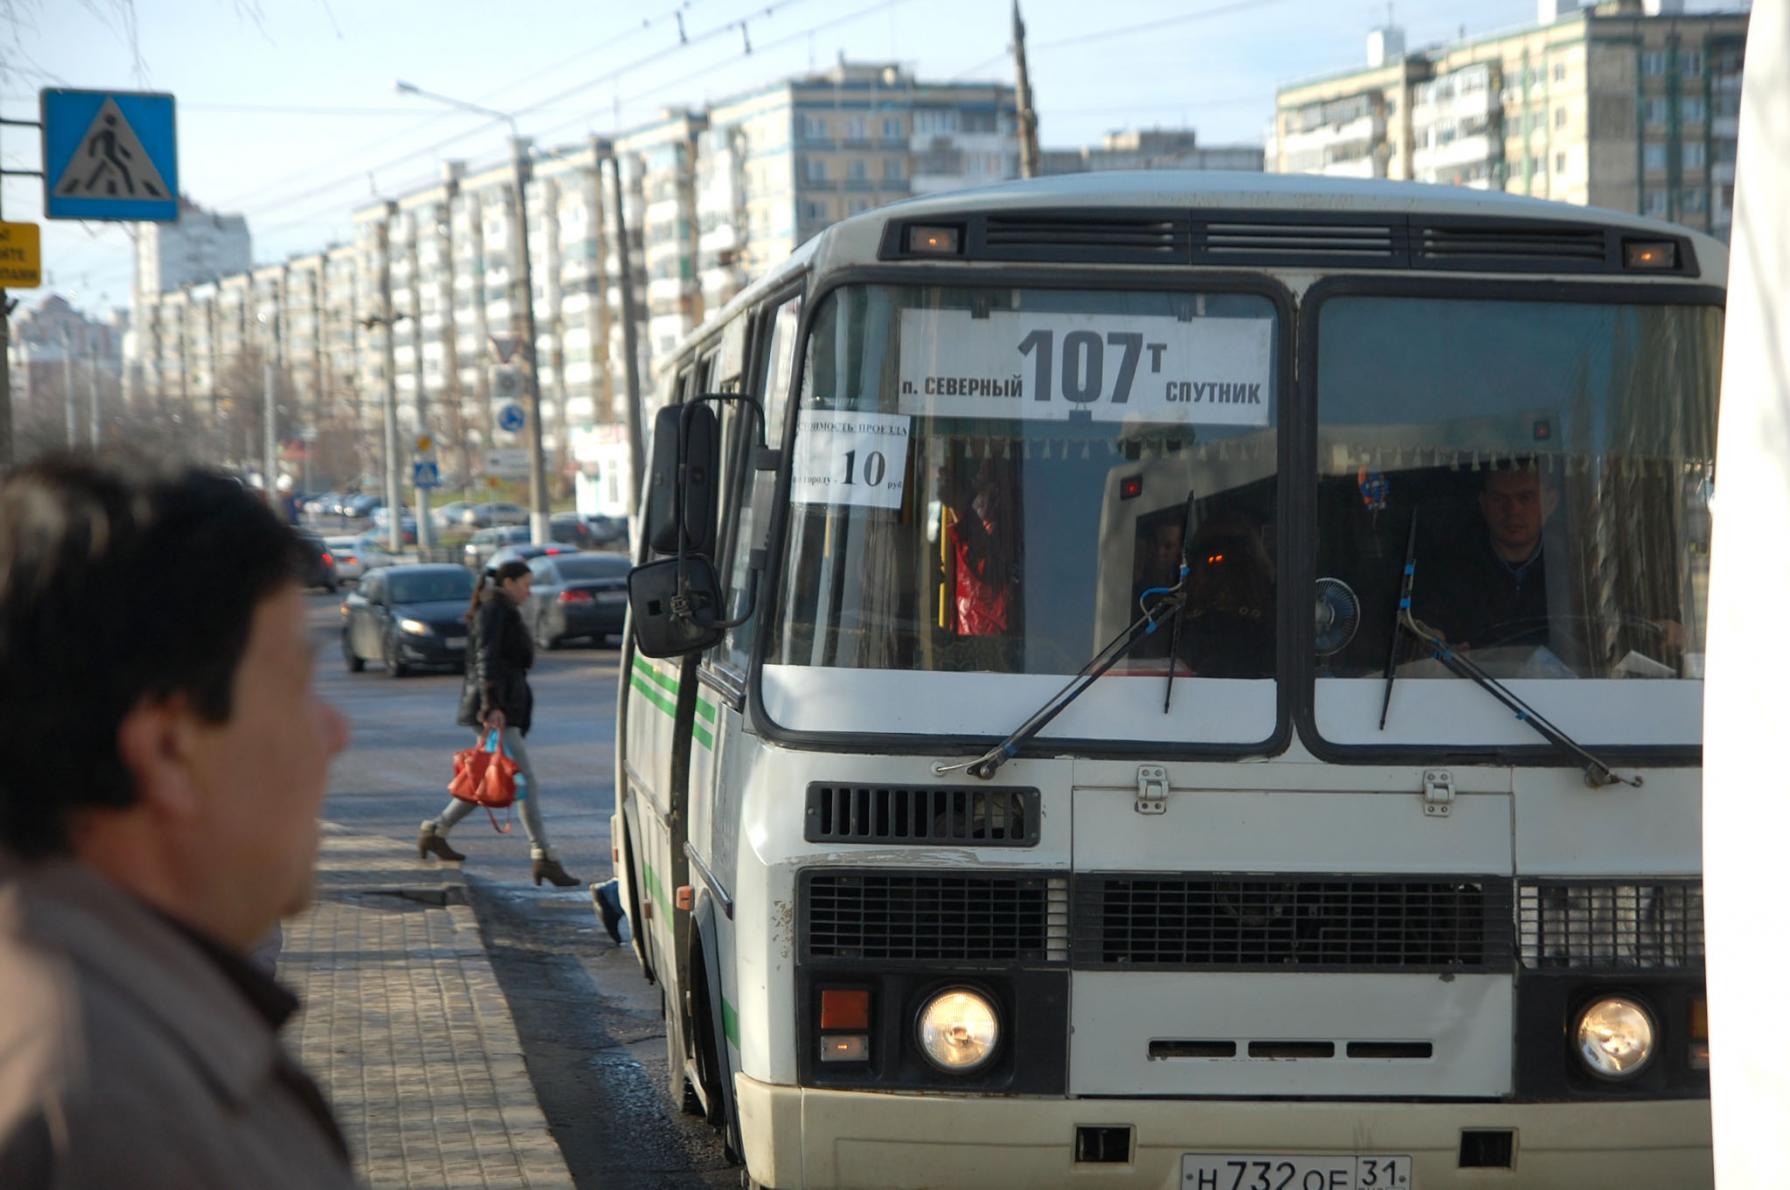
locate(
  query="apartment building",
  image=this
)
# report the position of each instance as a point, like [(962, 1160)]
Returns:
[(1629, 104), (1150, 148), (780, 163), (710, 198)]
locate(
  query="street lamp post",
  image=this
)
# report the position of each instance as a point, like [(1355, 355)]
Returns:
[(539, 517)]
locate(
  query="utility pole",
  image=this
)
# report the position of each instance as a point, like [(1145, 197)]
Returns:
[(1028, 118), (269, 450), (425, 538), (630, 347), (540, 521), (394, 527), (539, 518), (68, 380), (93, 395)]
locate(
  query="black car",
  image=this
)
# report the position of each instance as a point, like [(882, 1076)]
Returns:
[(577, 595), (404, 616), (319, 565)]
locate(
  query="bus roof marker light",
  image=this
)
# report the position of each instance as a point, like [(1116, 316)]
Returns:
[(931, 240), (1655, 255)]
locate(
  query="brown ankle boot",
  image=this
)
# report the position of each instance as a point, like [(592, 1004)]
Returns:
[(429, 843), (549, 869)]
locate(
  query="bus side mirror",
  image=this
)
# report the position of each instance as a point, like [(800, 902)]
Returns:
[(676, 606), (686, 456)]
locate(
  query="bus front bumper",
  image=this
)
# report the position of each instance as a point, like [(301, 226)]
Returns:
[(802, 1137)]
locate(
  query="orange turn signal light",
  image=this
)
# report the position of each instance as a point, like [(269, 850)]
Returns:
[(933, 241), (844, 1008), (1649, 254)]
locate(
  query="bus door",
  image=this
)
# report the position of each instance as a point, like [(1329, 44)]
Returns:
[(721, 766), (660, 712)]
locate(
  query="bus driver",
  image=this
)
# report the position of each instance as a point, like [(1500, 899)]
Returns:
[(1491, 589)]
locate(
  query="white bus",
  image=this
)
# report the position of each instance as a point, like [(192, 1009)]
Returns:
[(1199, 686)]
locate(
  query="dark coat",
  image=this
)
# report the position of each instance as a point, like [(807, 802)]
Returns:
[(1475, 599), (499, 654), (128, 1057)]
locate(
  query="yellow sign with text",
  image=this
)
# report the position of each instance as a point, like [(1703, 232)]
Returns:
[(21, 260)]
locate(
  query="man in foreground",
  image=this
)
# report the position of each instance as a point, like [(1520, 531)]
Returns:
[(166, 760)]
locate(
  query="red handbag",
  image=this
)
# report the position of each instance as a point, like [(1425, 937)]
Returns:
[(486, 776)]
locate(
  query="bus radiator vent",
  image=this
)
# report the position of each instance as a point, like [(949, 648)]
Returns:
[(923, 815)]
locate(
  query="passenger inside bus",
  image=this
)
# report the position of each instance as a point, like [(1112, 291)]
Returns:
[(1227, 629)]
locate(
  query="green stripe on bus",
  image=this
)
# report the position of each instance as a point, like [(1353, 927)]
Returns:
[(653, 696), (655, 890), (654, 676), (704, 709), (730, 1022)]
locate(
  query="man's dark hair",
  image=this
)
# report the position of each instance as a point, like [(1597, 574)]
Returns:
[(119, 582)]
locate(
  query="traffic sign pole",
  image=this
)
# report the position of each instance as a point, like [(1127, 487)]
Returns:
[(6, 305), (425, 528)]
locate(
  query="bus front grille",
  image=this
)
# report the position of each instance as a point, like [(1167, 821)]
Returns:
[(925, 916), (1162, 921), (1593, 925)]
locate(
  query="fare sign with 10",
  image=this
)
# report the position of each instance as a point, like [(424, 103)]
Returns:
[(1105, 367), (850, 458)]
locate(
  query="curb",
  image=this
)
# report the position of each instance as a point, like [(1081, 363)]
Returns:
[(405, 1027)]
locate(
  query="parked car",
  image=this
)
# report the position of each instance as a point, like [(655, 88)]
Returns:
[(450, 515), (486, 542), (405, 616), (322, 505), (359, 507), (608, 532), (495, 513), (577, 595), (374, 553), (568, 528), (526, 551), (320, 564), (406, 526), (347, 554)]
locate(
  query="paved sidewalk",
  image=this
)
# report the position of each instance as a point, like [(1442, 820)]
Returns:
[(406, 1029)]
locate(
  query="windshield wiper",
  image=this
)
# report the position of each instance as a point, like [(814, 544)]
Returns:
[(1597, 773), (1404, 605), (1110, 654)]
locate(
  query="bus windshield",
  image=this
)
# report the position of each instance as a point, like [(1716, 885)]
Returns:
[(1558, 460), (985, 481)]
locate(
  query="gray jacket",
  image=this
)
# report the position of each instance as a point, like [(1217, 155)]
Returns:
[(129, 1058)]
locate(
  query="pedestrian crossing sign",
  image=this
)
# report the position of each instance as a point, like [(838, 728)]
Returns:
[(109, 155)]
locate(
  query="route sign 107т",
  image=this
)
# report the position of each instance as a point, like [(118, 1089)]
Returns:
[(1050, 367)]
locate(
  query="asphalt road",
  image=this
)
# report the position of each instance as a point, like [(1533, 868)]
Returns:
[(590, 1024)]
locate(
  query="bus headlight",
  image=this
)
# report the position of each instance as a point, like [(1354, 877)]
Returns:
[(1615, 1038), (959, 1030)]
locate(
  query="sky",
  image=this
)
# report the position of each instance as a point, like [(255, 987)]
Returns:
[(287, 111)]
